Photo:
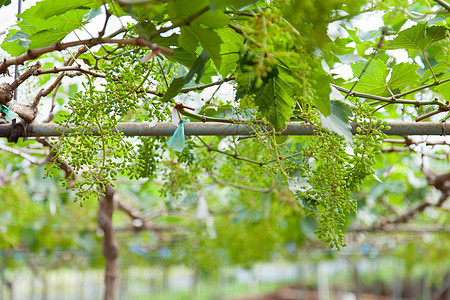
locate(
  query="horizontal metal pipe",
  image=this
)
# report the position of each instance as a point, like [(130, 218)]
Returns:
[(400, 229), (222, 129)]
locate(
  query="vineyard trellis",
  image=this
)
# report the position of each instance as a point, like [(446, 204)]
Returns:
[(282, 61)]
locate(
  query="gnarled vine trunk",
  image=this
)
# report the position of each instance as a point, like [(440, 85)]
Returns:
[(110, 246)]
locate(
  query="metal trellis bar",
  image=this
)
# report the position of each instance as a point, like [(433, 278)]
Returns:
[(223, 129)]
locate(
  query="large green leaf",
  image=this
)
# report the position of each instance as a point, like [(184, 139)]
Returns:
[(176, 85), (58, 27), (46, 9), (218, 4), (184, 8), (216, 19), (187, 40), (167, 42), (19, 36), (4, 2), (44, 32), (148, 10), (444, 90), (440, 71), (17, 41), (197, 68), (403, 75), (210, 41), (337, 121), (182, 56), (373, 81), (231, 45), (419, 37), (199, 30), (49, 21), (322, 86), (275, 101)]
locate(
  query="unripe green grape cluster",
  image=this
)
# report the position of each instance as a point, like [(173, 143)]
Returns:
[(262, 72), (271, 45), (98, 160), (333, 173), (149, 155)]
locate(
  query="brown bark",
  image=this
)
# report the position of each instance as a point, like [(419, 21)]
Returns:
[(6, 93), (26, 112), (110, 245)]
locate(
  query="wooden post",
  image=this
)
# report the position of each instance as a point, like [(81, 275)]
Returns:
[(110, 245)]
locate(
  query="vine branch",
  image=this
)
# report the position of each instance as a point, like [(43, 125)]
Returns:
[(181, 108), (430, 114), (188, 20), (239, 186), (408, 149), (422, 229), (443, 4), (35, 53), (235, 156), (408, 141), (395, 99), (67, 69), (24, 155), (55, 85), (439, 181), (411, 213)]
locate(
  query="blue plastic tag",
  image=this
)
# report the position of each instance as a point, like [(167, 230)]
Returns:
[(177, 142)]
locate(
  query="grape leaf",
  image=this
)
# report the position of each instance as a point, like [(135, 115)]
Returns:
[(5, 2), (182, 56), (187, 40), (218, 4), (48, 22), (418, 37), (14, 45), (217, 19), (444, 90), (168, 41), (440, 70), (44, 32), (210, 41), (403, 75), (58, 27), (230, 47), (176, 85), (183, 8), (322, 86), (21, 37), (337, 121), (274, 100), (197, 68), (44, 10), (373, 80)]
